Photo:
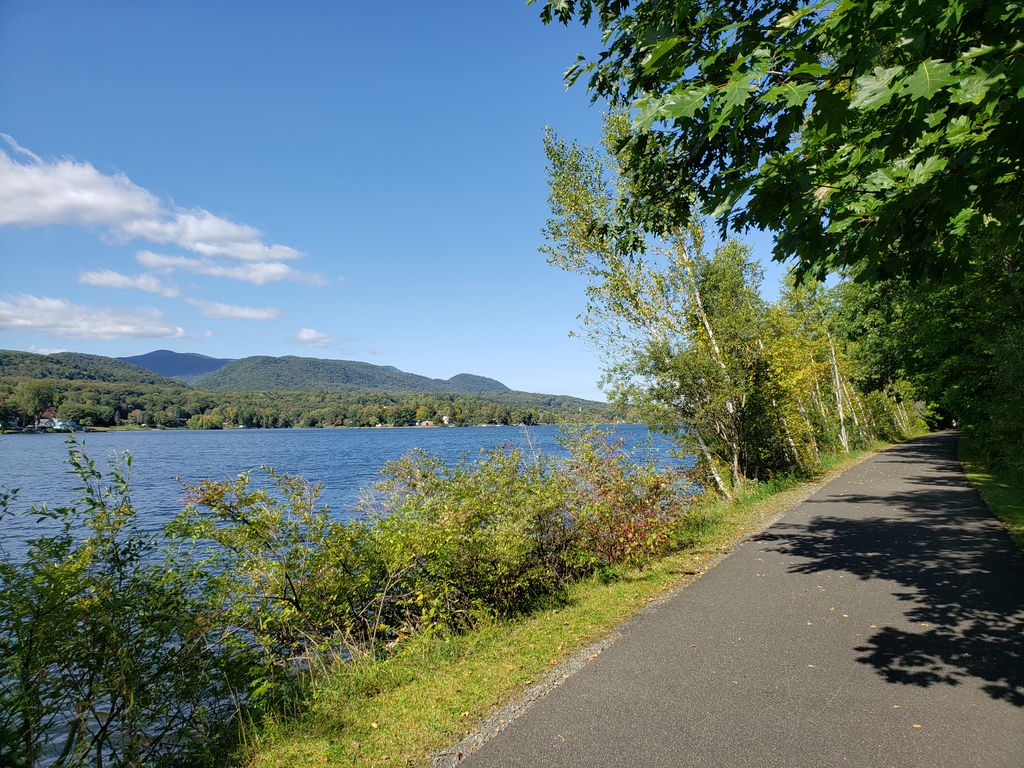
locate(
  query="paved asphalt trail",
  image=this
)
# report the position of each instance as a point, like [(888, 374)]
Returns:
[(879, 623)]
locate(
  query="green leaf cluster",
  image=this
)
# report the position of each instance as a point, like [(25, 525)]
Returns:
[(884, 135)]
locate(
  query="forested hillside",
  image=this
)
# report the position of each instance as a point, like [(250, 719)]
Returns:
[(97, 391), (74, 366), (263, 373)]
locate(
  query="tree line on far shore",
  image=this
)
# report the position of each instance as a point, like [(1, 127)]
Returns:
[(106, 404)]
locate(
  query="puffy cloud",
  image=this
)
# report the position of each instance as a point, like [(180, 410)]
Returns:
[(61, 317), (314, 338), (233, 311), (108, 278), (204, 233), (258, 272), (36, 192)]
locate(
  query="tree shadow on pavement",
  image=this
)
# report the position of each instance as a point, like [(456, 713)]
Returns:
[(960, 577)]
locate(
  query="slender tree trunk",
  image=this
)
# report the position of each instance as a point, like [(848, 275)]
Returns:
[(791, 442), (902, 417), (837, 384), (851, 400), (705, 321), (730, 403), (788, 435), (807, 420), (819, 400), (705, 451), (864, 423)]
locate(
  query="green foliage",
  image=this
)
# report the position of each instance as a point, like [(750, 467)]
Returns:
[(751, 389), (961, 345), (484, 537), (30, 398), (204, 421), (877, 134), (75, 366), (1001, 488), (622, 513), (496, 535), (284, 583), (104, 659), (122, 647)]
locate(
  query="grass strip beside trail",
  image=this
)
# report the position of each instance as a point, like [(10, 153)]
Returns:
[(399, 711), (1002, 491)]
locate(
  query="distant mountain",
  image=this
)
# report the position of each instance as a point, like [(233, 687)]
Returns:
[(265, 374), (73, 366), (468, 382), (311, 373), (185, 366)]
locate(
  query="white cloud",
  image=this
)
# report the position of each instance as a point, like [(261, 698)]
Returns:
[(373, 351), (44, 350), (36, 192), (108, 278), (314, 338), (20, 150), (258, 272), (233, 311), (60, 317), (204, 233)]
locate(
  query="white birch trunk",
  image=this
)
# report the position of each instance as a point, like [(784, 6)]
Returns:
[(819, 400), (730, 406), (814, 440), (711, 466), (837, 384)]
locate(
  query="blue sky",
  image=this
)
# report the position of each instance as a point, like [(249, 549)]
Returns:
[(356, 181)]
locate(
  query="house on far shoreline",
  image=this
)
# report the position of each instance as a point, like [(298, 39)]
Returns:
[(49, 419)]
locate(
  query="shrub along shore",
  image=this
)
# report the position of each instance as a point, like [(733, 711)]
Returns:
[(402, 710), (257, 628)]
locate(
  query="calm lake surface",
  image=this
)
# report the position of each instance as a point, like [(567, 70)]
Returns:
[(343, 460)]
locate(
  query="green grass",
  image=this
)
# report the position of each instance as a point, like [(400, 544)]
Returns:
[(1002, 491), (427, 696)]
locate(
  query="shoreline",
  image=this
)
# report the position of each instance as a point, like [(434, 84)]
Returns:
[(95, 430)]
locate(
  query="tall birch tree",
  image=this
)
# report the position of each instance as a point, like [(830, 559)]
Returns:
[(678, 329)]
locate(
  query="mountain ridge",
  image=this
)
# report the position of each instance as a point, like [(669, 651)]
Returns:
[(77, 366), (248, 374), (185, 366), (290, 372)]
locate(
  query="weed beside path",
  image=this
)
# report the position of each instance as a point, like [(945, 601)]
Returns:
[(426, 697)]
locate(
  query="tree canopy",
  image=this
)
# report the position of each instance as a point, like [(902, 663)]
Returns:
[(750, 388), (883, 134)]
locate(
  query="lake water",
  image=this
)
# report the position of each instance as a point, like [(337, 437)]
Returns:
[(343, 460)]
